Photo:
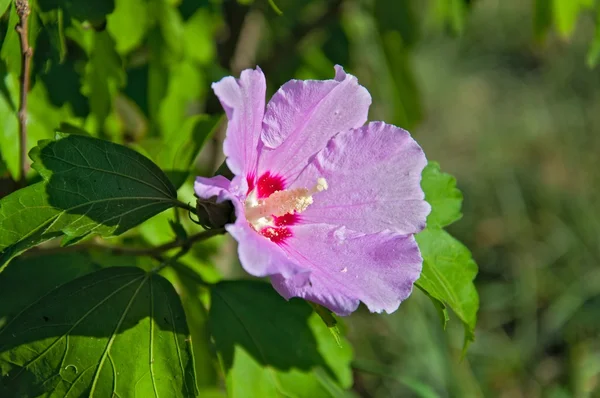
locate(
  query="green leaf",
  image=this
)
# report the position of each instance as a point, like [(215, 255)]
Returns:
[(565, 14), (128, 24), (270, 347), (93, 11), (103, 76), (90, 186), (542, 18), (443, 196), (9, 137), (198, 36), (115, 332), (4, 4), (189, 289), (177, 157), (448, 268), (11, 48), (447, 276), (593, 55)]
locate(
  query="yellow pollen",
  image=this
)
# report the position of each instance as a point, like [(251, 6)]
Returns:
[(284, 202)]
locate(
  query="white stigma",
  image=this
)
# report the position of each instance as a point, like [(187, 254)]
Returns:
[(260, 212)]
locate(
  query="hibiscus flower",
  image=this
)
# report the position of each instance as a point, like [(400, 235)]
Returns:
[(326, 205)]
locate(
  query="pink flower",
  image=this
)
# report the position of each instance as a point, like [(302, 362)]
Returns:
[(326, 206)]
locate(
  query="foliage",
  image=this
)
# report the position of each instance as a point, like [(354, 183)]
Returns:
[(120, 120)]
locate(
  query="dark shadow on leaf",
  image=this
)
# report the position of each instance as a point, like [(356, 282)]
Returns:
[(62, 79), (62, 329), (252, 316), (105, 187), (94, 11)]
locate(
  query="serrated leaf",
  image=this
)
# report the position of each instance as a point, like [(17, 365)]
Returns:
[(90, 186), (270, 347), (443, 196), (448, 267), (447, 275), (115, 332)]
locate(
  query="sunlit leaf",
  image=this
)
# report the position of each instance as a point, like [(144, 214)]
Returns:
[(270, 347), (115, 332), (90, 186), (443, 196), (128, 35), (565, 14), (447, 276), (448, 267)]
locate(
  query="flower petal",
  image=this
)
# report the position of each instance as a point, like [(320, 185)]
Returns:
[(244, 102), (346, 266), (374, 176), (258, 255), (303, 115)]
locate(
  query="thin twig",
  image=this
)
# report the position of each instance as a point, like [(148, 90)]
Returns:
[(23, 11), (133, 251)]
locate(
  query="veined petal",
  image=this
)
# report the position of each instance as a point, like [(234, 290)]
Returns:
[(374, 181), (244, 102), (345, 267), (303, 115)]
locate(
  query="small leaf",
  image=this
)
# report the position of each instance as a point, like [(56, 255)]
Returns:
[(447, 276), (443, 196), (128, 24), (593, 55), (329, 319), (115, 332), (270, 347), (90, 186)]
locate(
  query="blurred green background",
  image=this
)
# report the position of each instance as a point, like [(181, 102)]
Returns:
[(500, 92)]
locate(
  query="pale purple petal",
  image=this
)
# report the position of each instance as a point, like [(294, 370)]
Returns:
[(303, 115), (377, 269), (374, 178), (217, 186), (258, 255), (318, 291), (244, 102)]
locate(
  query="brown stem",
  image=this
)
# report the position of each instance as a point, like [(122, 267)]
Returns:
[(133, 251), (23, 11)]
